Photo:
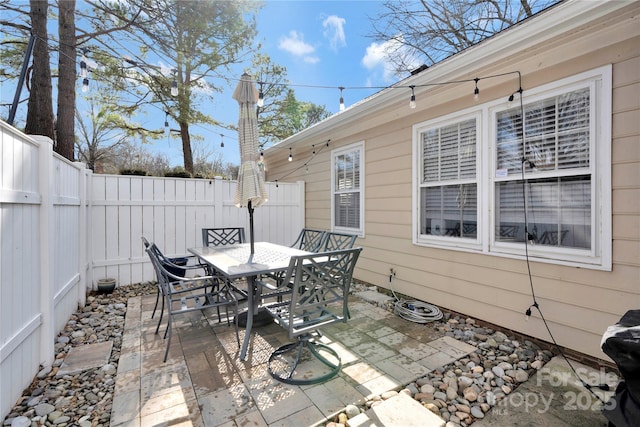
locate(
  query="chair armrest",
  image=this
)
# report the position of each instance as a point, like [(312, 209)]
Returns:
[(270, 290)]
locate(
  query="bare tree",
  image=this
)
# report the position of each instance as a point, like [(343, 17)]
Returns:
[(98, 137), (414, 33)]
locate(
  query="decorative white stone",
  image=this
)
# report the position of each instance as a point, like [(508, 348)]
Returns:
[(20, 422)]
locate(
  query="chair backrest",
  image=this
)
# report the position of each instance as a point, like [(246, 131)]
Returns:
[(334, 241), (174, 266), (309, 240), (320, 289), (157, 260), (145, 241), (222, 236)]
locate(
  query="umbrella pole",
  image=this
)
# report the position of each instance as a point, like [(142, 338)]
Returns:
[(250, 225)]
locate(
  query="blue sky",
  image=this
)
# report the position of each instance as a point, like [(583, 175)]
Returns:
[(321, 43)]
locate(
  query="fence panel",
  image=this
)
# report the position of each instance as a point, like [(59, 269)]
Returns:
[(42, 254), (19, 280), (172, 212), (67, 205), (62, 227)]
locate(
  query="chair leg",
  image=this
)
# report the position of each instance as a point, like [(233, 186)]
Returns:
[(156, 304), (166, 352), (161, 316), (235, 322)]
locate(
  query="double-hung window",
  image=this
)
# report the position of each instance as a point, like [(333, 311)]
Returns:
[(549, 174), (554, 156), (448, 181), (544, 186), (347, 184)]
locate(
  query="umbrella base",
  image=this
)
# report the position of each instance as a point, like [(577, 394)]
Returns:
[(263, 318)]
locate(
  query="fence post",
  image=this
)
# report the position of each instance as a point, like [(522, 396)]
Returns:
[(89, 230), (301, 206), (45, 185), (218, 203), (82, 233)]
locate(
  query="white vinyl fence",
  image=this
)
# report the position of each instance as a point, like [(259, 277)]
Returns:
[(172, 213), (43, 251), (62, 228)]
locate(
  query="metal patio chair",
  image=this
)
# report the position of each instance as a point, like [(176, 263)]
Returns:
[(184, 294), (222, 236), (319, 297), (334, 241), (178, 266), (309, 240)]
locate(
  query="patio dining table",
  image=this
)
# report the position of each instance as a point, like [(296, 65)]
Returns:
[(236, 261)]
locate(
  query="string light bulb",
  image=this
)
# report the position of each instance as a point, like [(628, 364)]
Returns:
[(221, 141), (512, 96), (412, 100), (260, 96), (174, 84), (261, 155), (166, 119), (290, 155), (83, 68), (341, 99), (476, 91), (85, 84)]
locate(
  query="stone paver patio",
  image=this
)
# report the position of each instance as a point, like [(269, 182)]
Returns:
[(204, 383)]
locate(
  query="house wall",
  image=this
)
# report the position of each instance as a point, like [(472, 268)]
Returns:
[(578, 303)]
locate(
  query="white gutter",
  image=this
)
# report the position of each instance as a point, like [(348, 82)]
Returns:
[(562, 18)]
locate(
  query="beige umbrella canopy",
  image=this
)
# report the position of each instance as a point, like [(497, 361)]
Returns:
[(250, 191)]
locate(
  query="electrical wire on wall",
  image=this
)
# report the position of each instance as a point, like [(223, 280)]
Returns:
[(530, 236), (413, 310)]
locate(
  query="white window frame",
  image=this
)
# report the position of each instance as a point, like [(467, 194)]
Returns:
[(599, 255), (418, 129), (356, 147)]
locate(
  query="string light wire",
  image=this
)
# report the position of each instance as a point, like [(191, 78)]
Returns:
[(528, 236), (412, 87)]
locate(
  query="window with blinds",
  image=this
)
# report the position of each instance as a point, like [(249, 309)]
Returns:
[(347, 200), (557, 158), (448, 188), (516, 180)]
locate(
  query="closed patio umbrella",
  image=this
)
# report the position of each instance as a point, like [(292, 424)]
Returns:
[(250, 191)]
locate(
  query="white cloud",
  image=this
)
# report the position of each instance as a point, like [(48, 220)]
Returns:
[(294, 44), (377, 59), (334, 31)]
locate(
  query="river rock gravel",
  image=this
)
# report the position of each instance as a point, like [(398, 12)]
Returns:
[(83, 399)]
